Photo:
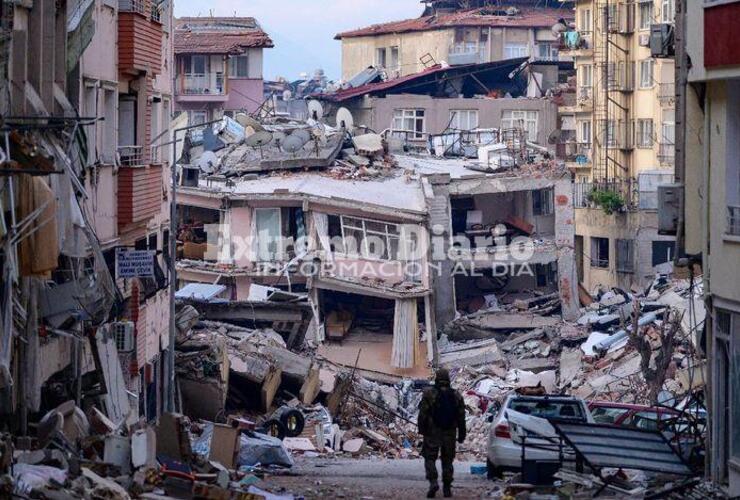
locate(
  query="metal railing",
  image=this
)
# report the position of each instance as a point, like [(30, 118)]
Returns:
[(138, 6), (584, 193), (203, 84), (666, 152), (585, 93), (132, 156), (733, 220), (574, 151), (574, 40)]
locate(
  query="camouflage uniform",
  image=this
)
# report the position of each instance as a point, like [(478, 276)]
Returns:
[(438, 440)]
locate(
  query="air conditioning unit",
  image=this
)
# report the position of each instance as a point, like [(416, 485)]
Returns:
[(123, 333), (662, 43), (644, 40)]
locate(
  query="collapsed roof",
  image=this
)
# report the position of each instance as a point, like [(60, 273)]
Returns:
[(485, 17), (219, 35)]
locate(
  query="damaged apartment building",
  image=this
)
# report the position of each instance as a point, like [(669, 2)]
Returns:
[(85, 112), (371, 242)]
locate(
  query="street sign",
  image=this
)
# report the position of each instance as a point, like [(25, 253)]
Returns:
[(134, 263)]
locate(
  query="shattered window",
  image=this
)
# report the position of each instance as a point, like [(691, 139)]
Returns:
[(625, 256), (463, 119), (525, 120), (268, 233), (370, 238), (542, 202)]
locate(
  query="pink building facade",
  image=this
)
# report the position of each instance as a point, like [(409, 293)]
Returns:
[(218, 66)]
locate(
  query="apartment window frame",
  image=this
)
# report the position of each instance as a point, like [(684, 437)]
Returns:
[(625, 256), (239, 66), (586, 75), (600, 252), (646, 15), (409, 121), (360, 228), (193, 113), (647, 72), (644, 133), (668, 11), (464, 119), (658, 248), (272, 248), (585, 132), (543, 202), (190, 63), (547, 51), (381, 57), (529, 120), (515, 50), (610, 133), (586, 22)]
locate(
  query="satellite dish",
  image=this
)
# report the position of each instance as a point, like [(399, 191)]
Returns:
[(208, 162), (292, 144), (345, 119), (315, 110), (302, 134), (278, 138), (258, 140), (554, 136), (245, 121)]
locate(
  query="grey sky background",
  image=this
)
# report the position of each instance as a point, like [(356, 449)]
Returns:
[(303, 30)]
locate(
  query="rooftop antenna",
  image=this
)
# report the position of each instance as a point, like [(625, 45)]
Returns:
[(258, 140)]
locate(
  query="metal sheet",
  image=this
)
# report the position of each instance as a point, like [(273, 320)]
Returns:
[(611, 446)]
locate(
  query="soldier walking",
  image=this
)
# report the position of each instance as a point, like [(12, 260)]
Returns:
[(441, 422)]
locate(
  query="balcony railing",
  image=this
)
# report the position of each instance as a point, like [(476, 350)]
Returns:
[(666, 152), (467, 53), (733, 220), (585, 194), (203, 84), (132, 156), (138, 6), (585, 93), (579, 152)]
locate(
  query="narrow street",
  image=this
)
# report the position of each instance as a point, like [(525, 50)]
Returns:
[(371, 479)]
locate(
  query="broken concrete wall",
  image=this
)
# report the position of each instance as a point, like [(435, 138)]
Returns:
[(564, 237)]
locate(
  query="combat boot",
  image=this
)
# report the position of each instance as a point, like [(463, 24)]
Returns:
[(447, 491), (433, 489)]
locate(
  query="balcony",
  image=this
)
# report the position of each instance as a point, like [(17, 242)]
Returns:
[(667, 94), (666, 153), (140, 186), (576, 43), (575, 152), (139, 37), (467, 53), (589, 195), (202, 87)]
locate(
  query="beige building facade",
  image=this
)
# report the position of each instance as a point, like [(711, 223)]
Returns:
[(465, 37), (619, 137)]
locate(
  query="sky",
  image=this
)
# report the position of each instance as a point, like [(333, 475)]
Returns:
[(303, 30)]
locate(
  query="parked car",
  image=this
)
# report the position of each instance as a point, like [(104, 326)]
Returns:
[(504, 453), (683, 431)]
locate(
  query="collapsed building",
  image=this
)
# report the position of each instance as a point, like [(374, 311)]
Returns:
[(384, 247)]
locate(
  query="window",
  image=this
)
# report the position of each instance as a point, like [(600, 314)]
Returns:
[(514, 50), (667, 11), (646, 74), (547, 51), (267, 225), (369, 238), (239, 67), (197, 117), (395, 61), (109, 126), (526, 120), (625, 256), (584, 129), (542, 202), (381, 57), (646, 15), (410, 121), (194, 65), (585, 20), (728, 340), (606, 415), (644, 133), (463, 119), (663, 252), (610, 133), (586, 72), (91, 109), (668, 132), (600, 253)]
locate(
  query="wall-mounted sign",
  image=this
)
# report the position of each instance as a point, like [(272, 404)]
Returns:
[(134, 263)]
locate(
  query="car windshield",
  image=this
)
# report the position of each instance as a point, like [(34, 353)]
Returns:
[(551, 410), (607, 415)]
